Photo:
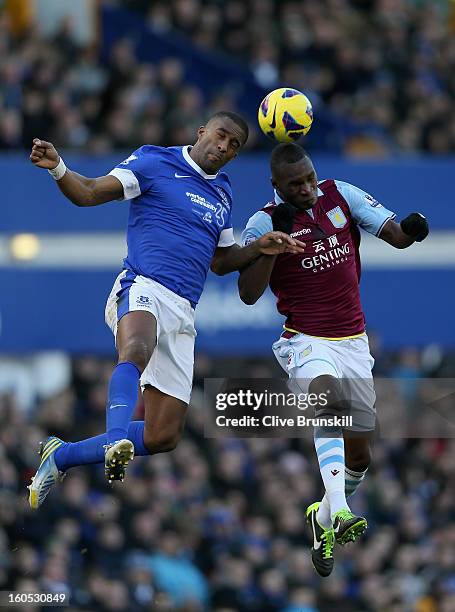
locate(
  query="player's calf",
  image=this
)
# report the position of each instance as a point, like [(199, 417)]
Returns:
[(328, 439), (136, 338), (164, 420), (358, 458), (358, 450)]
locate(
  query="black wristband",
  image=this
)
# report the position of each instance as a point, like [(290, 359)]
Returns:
[(416, 226), (283, 217)]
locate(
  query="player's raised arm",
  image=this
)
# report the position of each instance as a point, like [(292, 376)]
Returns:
[(414, 228), (379, 221), (81, 190)]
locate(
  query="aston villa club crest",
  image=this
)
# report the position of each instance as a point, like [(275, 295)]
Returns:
[(337, 217)]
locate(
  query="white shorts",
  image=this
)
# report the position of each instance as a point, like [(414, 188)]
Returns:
[(307, 357), (170, 368)]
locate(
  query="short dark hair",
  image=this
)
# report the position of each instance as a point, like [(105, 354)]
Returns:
[(286, 153), (236, 118)]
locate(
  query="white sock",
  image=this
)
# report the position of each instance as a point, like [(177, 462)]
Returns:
[(330, 452), (352, 482), (323, 516)]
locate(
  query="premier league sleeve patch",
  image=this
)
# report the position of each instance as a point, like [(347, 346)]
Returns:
[(372, 202), (337, 217)]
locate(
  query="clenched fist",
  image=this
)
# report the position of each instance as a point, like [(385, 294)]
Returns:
[(44, 154)]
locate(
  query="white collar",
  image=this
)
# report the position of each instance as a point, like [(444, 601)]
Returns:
[(189, 160), (279, 200)]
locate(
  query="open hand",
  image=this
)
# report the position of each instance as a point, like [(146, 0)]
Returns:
[(274, 243), (44, 154)]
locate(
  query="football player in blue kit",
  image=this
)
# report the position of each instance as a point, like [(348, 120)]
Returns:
[(179, 227)]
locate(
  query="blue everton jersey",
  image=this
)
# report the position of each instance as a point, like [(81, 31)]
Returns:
[(178, 217)]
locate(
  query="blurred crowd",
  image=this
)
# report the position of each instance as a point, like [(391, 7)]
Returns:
[(389, 65), (62, 92), (219, 524), (385, 67)]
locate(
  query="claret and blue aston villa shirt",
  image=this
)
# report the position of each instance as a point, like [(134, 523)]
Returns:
[(178, 216), (318, 291)]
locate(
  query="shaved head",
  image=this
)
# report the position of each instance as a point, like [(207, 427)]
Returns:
[(286, 153)]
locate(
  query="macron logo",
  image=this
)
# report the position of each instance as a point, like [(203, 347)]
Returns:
[(305, 230), (182, 175)]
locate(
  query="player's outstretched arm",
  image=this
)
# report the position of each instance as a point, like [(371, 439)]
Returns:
[(81, 190), (232, 258), (414, 228)]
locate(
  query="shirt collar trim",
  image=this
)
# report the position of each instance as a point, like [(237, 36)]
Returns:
[(189, 160)]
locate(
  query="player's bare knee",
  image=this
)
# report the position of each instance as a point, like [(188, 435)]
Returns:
[(161, 443), (137, 351), (329, 397)]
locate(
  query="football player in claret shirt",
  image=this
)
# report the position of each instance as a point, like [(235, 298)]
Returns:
[(179, 227), (324, 346)]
